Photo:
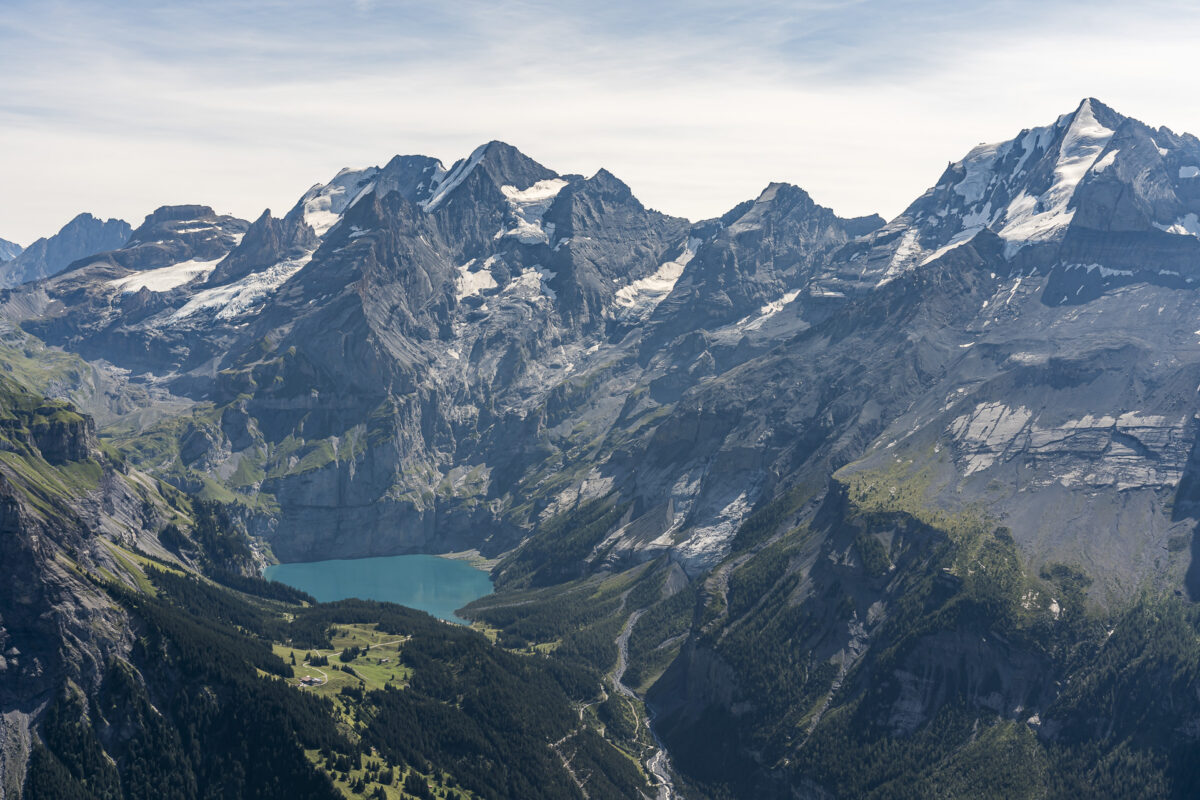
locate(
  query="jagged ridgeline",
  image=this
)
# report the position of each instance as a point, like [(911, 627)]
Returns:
[(846, 507)]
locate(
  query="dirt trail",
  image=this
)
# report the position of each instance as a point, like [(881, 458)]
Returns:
[(659, 764)]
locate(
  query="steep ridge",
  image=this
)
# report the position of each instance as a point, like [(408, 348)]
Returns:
[(9, 250), (63, 508), (82, 236)]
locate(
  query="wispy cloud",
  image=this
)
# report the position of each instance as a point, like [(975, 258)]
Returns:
[(116, 108)]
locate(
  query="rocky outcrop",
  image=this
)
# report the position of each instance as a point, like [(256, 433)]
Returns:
[(963, 667), (172, 234), (48, 430), (267, 242), (62, 505), (62, 436)]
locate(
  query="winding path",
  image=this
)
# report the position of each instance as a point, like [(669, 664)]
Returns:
[(659, 764)]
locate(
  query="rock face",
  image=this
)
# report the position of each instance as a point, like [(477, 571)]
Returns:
[(81, 237), (55, 625), (267, 242), (9, 250)]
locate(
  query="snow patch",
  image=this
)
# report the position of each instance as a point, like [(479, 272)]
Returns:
[(1105, 272), (235, 299), (164, 279), (980, 166), (1036, 139), (528, 206), (1189, 172), (905, 253), (1184, 226), (754, 322), (1105, 162), (457, 174), (642, 296), (1039, 219), (324, 205), (532, 284), (471, 282), (960, 238)]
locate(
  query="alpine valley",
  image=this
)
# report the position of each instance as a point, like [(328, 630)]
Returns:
[(779, 504)]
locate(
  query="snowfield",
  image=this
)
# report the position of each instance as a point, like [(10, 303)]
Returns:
[(164, 279), (528, 206), (641, 297), (235, 299)]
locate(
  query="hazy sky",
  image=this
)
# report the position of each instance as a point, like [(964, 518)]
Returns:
[(116, 108)]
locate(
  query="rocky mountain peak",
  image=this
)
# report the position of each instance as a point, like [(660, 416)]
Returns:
[(508, 166), (777, 199), (9, 250), (615, 188), (82, 236), (172, 234), (1049, 193), (414, 177), (267, 242), (181, 213), (323, 205), (501, 163)]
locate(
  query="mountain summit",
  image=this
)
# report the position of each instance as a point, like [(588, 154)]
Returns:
[(82, 236), (9, 250), (1058, 196)]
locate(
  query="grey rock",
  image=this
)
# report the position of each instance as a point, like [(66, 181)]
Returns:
[(82, 236), (9, 250)]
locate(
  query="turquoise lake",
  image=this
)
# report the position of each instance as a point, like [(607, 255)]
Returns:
[(439, 586)]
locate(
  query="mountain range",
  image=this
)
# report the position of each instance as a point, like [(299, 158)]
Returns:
[(856, 507)]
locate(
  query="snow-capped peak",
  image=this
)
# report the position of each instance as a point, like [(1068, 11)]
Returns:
[(324, 204), (1029, 219), (1023, 189)]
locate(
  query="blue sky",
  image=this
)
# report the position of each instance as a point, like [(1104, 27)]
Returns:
[(116, 108)]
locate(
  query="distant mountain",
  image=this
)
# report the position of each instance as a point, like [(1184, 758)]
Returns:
[(9, 250), (82, 236)]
